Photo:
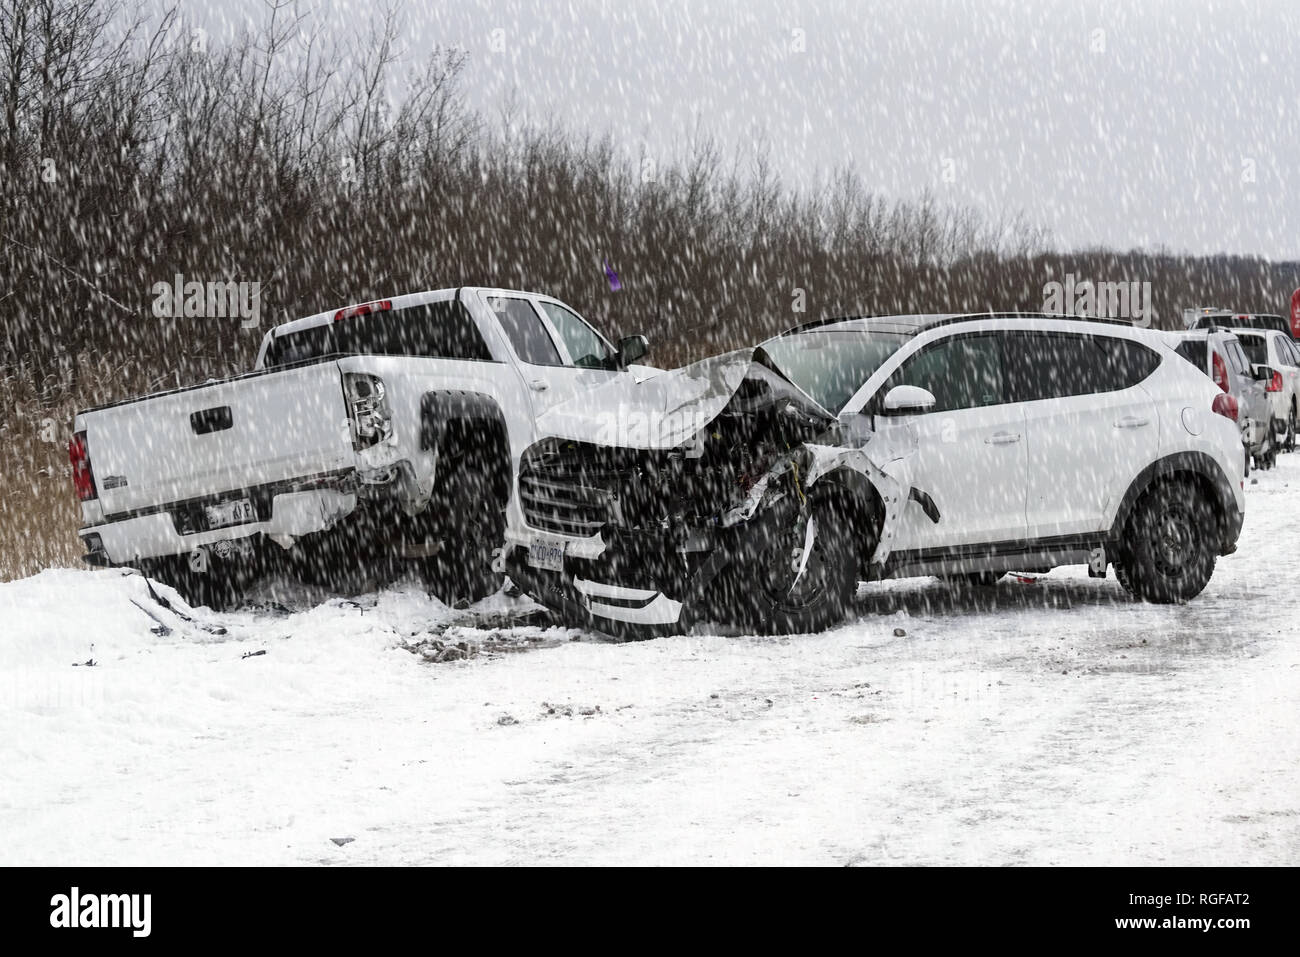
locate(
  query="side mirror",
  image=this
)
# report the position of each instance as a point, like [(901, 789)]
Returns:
[(1262, 372), (632, 348), (908, 399)]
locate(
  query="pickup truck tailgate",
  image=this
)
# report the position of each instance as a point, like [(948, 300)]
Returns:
[(234, 434)]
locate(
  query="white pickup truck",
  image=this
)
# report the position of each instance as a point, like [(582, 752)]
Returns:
[(390, 430)]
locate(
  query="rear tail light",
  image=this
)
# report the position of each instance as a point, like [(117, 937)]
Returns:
[(380, 305), (367, 399), (1220, 372), (83, 477), (1275, 383), (1226, 406)]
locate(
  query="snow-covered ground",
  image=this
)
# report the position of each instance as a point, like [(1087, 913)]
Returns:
[(1055, 722)]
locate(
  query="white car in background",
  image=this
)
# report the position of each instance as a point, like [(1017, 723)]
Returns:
[(1278, 352), (1217, 352)]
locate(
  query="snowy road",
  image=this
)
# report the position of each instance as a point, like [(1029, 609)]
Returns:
[(1048, 723)]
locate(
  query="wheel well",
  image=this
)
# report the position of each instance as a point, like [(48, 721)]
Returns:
[(468, 429), (1189, 476), (854, 496)]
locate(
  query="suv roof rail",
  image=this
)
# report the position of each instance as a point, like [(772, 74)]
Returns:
[(948, 320), (1033, 315)]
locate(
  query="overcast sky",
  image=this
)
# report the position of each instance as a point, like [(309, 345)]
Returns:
[(1163, 123)]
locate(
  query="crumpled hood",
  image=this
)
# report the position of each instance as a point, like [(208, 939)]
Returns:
[(666, 410)]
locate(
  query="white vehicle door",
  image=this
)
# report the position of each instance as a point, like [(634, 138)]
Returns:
[(970, 455), (559, 353), (1090, 427)]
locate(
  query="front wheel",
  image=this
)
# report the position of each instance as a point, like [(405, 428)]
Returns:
[(1170, 544), (806, 577), (472, 525)]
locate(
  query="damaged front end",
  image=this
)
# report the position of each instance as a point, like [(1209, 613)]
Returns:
[(713, 494)]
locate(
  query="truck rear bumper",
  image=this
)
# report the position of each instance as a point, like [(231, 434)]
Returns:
[(154, 535)]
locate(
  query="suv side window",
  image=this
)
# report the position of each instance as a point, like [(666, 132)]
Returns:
[(524, 328), (1194, 351), (1238, 358), (1128, 362), (1287, 351), (1053, 365), (586, 348), (1255, 348), (963, 372)]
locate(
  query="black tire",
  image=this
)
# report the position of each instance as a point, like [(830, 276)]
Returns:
[(1170, 544), (1288, 444), (1269, 452), (971, 580), (220, 589), (473, 525), (342, 560), (822, 595)]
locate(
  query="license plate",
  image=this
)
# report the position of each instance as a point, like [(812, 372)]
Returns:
[(546, 554), (235, 512)]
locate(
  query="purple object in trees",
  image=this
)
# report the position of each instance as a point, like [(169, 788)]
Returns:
[(614, 284)]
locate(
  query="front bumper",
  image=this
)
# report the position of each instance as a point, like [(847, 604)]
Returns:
[(639, 581), (654, 582), (598, 604)]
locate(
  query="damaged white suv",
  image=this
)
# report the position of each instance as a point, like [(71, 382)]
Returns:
[(758, 487)]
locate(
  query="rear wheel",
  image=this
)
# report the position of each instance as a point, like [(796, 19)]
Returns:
[(1170, 546), (1269, 452), (218, 585), (973, 580), (1288, 444)]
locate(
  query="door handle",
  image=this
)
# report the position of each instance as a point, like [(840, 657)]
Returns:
[(1002, 438), (539, 385), (1132, 422)]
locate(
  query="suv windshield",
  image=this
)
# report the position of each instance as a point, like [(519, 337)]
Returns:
[(832, 365)]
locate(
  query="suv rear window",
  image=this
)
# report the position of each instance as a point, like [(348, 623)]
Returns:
[(442, 330), (1052, 365)]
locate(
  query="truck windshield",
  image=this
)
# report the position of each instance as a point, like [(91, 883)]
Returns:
[(832, 365), (443, 330)]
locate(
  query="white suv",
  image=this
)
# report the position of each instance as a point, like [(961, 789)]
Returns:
[(962, 446)]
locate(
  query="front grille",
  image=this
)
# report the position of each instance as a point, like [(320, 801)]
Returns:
[(577, 489), (557, 501)]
